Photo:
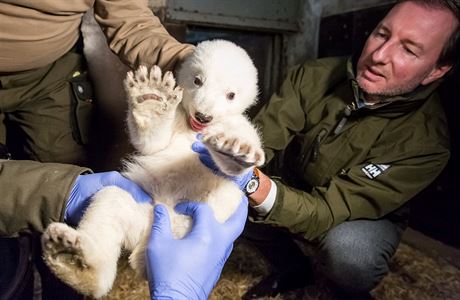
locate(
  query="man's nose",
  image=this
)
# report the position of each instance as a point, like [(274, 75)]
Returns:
[(383, 53)]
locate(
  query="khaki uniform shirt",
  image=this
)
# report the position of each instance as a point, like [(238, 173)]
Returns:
[(36, 33)]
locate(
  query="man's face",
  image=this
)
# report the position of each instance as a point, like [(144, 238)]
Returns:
[(402, 51)]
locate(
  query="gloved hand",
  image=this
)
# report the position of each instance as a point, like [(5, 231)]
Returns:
[(87, 185), (205, 157), (190, 267)]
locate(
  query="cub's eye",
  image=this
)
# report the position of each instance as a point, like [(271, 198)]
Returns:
[(231, 96), (197, 81)]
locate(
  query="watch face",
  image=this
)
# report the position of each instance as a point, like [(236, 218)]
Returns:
[(252, 186)]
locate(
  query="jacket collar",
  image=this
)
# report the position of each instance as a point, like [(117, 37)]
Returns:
[(392, 106)]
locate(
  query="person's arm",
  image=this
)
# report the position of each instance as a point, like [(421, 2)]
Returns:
[(189, 268), (284, 115), (36, 194), (136, 34), (353, 195), (288, 111), (33, 194)]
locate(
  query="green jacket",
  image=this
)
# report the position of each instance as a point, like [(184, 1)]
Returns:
[(339, 162), (33, 194)]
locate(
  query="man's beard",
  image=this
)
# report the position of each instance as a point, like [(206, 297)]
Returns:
[(381, 95)]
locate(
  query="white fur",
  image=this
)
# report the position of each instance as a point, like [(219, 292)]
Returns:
[(159, 119)]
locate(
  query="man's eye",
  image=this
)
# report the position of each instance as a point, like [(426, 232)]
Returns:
[(380, 35), (409, 51)]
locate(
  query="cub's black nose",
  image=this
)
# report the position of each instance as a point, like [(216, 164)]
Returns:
[(202, 118)]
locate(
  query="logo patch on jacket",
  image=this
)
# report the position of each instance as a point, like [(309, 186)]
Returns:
[(374, 170)]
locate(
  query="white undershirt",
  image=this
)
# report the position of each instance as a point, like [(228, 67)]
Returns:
[(266, 206)]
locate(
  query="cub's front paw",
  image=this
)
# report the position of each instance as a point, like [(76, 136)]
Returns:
[(151, 94), (233, 155)]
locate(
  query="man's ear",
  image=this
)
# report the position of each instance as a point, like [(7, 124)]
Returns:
[(436, 73)]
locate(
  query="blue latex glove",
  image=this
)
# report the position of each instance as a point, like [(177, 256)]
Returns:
[(190, 267), (205, 157), (87, 185)]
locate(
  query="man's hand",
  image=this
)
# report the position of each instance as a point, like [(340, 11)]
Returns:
[(205, 157), (86, 186), (190, 267)]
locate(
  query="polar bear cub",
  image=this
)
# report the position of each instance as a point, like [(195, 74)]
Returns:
[(216, 84)]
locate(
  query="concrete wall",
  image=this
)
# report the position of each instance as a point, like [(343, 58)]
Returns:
[(304, 43), (298, 44)]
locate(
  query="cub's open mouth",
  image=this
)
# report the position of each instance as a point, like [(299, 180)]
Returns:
[(195, 125)]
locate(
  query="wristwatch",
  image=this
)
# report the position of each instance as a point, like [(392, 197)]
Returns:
[(253, 183)]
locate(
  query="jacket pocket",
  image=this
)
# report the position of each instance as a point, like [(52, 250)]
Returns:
[(82, 108)]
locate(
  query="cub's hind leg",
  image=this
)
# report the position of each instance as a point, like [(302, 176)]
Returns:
[(86, 257), (180, 226), (72, 258)]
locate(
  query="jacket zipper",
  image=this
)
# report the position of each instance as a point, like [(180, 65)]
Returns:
[(323, 132), (346, 114), (312, 155), (319, 138)]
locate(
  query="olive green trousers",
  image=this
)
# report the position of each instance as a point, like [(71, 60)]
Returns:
[(45, 113)]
